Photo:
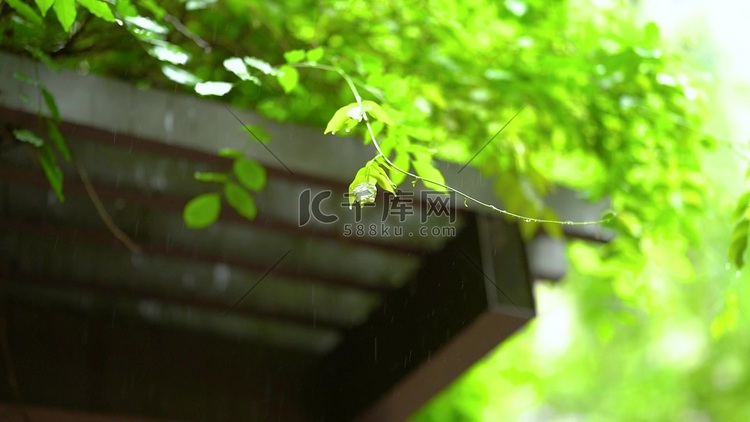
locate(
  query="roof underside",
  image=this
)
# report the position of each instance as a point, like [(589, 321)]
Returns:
[(288, 301)]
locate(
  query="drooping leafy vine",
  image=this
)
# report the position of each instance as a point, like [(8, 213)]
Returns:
[(346, 118)]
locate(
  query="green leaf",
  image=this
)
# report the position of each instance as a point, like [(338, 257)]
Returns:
[(26, 11), (27, 136), (66, 13), (231, 153), (261, 65), (426, 170), (207, 176), (240, 200), (340, 118), (315, 54), (294, 56), (401, 161), (51, 105), (256, 133), (154, 8), (288, 78), (202, 211), (126, 8), (251, 174), (25, 79), (58, 140), (43, 57), (742, 205), (99, 9), (237, 66), (44, 5), (377, 112), (552, 229), (178, 75), (213, 88), (738, 244), (381, 177), (360, 177), (51, 170)]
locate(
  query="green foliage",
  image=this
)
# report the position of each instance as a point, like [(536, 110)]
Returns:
[(44, 153), (741, 231), (203, 210), (250, 174), (288, 78), (240, 200), (653, 316)]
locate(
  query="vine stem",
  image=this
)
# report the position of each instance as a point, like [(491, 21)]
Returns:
[(103, 214), (358, 99)]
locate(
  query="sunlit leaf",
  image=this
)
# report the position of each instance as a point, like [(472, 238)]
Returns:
[(381, 177), (288, 78), (126, 8), (26, 11), (202, 211), (742, 206), (98, 8), (340, 118), (401, 161), (66, 13), (426, 170), (261, 65), (43, 5), (377, 112), (315, 55), (147, 24), (240, 200), (251, 174), (154, 8), (738, 244), (169, 53), (213, 88), (294, 56), (237, 66), (180, 76)]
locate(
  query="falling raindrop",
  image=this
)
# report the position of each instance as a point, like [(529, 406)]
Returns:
[(347, 130), (738, 274)]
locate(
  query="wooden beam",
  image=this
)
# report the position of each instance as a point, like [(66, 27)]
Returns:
[(15, 413), (456, 310)]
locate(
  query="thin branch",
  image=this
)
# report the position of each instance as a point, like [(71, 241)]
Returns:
[(358, 98), (182, 29), (103, 214)]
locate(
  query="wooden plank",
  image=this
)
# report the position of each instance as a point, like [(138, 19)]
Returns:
[(435, 327)]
